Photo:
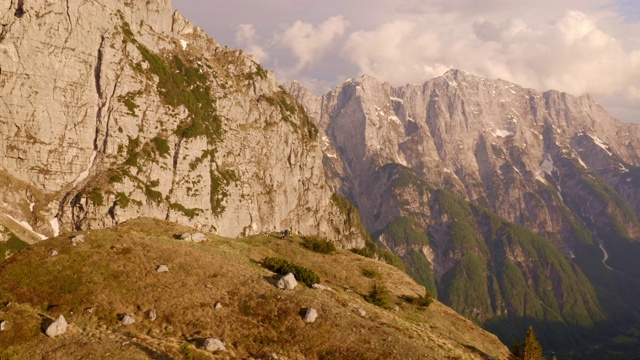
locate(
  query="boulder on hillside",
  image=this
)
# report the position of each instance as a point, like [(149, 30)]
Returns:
[(217, 305), (127, 320), (53, 252), (320, 287), (162, 268), (193, 237), (3, 325), (153, 315), (310, 315), (77, 240), (287, 282), (57, 327), (211, 344)]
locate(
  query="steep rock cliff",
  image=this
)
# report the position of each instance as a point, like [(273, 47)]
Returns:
[(114, 110), (509, 203)]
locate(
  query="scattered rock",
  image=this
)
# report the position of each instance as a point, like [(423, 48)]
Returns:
[(53, 252), (361, 312), (57, 327), (310, 315), (90, 309), (77, 240), (152, 315), (217, 305), (198, 237), (162, 268), (287, 282), (212, 345), (7, 304), (195, 237), (3, 325), (320, 287), (396, 308), (127, 320)]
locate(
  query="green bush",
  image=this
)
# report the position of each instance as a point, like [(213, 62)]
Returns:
[(370, 273), (379, 295), (420, 301), (96, 197), (318, 245), (284, 266), (373, 251)]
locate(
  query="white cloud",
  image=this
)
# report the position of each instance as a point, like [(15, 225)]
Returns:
[(575, 46), (247, 39), (308, 42), (570, 54)]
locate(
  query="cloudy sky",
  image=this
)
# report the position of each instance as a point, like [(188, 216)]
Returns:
[(577, 46)]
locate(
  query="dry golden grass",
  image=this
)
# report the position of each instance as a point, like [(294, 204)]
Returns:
[(114, 271)]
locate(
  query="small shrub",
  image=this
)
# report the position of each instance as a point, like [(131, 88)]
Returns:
[(379, 295), (188, 352), (318, 245), (155, 196), (161, 145), (419, 301), (122, 199), (115, 176), (370, 273), (284, 266), (96, 197), (373, 251)]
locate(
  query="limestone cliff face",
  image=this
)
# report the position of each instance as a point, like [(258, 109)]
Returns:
[(489, 141), (507, 202), (113, 110)]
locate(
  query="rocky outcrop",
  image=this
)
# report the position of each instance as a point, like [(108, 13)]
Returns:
[(78, 239), (127, 319), (193, 237), (310, 315), (133, 111), (287, 282), (211, 344), (58, 327)]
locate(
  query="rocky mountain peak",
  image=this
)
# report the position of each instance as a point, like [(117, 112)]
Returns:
[(453, 175), (134, 111)]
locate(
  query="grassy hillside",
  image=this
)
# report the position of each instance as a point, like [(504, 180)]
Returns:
[(114, 272)]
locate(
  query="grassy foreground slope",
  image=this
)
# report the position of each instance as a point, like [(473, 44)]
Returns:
[(114, 272)]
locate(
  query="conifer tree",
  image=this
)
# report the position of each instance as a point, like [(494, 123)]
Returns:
[(531, 349)]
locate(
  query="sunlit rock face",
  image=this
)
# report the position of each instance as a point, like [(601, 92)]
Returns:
[(113, 110), (473, 181)]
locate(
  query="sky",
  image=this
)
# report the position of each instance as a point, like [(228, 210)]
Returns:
[(576, 46)]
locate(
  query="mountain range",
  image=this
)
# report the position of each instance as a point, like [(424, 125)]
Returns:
[(510, 205), (514, 206)]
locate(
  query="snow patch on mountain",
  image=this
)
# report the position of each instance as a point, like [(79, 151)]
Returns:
[(601, 144), (502, 133), (547, 165), (26, 225)]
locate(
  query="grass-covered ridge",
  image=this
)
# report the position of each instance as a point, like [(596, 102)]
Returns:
[(113, 272), (10, 244)]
